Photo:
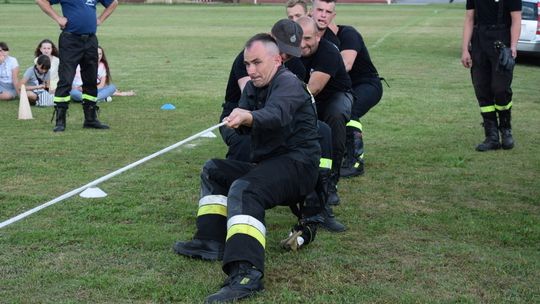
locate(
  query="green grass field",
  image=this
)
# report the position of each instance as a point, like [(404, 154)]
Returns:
[(432, 221)]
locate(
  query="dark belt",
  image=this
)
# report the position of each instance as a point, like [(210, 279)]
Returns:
[(83, 36)]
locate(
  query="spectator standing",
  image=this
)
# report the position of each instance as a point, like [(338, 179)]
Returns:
[(488, 22), (78, 46)]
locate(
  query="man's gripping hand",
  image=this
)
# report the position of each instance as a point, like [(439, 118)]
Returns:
[(239, 117)]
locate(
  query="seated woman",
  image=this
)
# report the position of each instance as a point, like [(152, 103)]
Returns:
[(105, 88), (36, 80), (47, 47), (9, 74)]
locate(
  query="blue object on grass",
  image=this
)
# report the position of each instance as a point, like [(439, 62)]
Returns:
[(168, 106)]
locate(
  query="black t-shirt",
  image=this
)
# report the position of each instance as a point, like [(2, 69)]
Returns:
[(238, 71), (327, 59), (330, 36), (487, 11), (362, 67)]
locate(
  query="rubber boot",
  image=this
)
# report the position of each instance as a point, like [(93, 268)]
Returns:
[(505, 128), (201, 249), (60, 110), (353, 164), (330, 222), (90, 116), (491, 142)]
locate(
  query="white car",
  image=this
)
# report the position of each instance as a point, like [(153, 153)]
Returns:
[(529, 39)]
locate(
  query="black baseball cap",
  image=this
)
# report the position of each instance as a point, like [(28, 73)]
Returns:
[(288, 35)]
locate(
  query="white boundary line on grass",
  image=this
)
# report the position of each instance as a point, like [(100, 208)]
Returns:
[(399, 29), (106, 177)]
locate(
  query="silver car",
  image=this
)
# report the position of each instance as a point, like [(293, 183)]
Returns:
[(529, 39)]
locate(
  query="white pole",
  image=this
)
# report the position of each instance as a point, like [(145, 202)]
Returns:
[(106, 177)]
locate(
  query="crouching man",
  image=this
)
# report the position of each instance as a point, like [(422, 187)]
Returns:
[(277, 111)]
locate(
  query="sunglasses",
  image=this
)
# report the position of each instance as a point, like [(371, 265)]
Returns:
[(5, 50)]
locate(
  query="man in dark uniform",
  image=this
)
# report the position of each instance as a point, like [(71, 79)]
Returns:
[(239, 145), (288, 35), (487, 22), (78, 45), (366, 82), (277, 111), (329, 82)]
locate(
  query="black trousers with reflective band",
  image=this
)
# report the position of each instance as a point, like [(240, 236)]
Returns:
[(336, 112), (491, 87), (77, 50), (251, 189)]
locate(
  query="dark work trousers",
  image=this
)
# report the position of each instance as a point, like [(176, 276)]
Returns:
[(312, 207), (367, 94), (492, 87), (77, 50), (336, 112), (251, 189), (325, 141)]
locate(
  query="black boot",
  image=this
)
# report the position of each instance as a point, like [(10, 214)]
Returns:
[(505, 128), (333, 198), (329, 220), (353, 164), (60, 110), (201, 249), (491, 142), (90, 116), (244, 281)]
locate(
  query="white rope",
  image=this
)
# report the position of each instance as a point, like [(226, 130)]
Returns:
[(106, 177)]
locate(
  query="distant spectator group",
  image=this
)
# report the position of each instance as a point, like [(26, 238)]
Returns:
[(40, 80)]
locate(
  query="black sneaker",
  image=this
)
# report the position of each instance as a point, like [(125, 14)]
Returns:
[(200, 249), (243, 282)]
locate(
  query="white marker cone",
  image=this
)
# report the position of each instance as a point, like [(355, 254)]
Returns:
[(24, 106), (93, 192), (209, 135)]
